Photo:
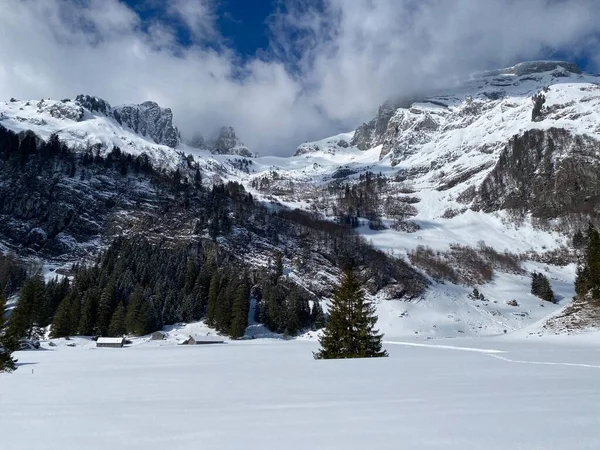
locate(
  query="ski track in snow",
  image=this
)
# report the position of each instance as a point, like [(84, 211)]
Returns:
[(543, 363), (493, 353)]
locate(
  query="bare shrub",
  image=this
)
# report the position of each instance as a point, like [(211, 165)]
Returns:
[(407, 226), (464, 265), (450, 213), (433, 264), (471, 266), (505, 261), (394, 207)]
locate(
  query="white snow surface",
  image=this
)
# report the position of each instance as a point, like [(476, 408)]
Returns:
[(491, 393)]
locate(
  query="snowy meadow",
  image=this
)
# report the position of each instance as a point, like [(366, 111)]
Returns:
[(486, 393)]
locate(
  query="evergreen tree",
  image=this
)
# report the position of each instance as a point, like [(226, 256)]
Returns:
[(133, 308), (278, 267), (145, 322), (213, 294), (588, 275), (7, 363), (116, 327), (106, 306), (62, 324), (239, 311), (540, 287), (87, 321), (350, 330), (317, 316), (24, 320), (578, 240), (224, 303)]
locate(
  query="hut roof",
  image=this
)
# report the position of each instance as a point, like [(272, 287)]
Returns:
[(110, 340), (214, 339)]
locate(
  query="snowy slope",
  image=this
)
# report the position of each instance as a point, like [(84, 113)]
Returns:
[(82, 129), (492, 394), (439, 148)]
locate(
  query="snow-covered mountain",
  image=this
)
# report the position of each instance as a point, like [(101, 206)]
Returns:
[(225, 142), (90, 121), (507, 161)]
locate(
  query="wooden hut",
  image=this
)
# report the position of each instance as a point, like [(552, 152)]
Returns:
[(110, 342), (201, 340)]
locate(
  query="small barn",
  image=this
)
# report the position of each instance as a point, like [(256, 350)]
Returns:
[(158, 336), (110, 342), (200, 340)]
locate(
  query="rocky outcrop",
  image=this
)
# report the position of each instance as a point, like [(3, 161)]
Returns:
[(370, 134), (94, 104), (149, 120), (549, 173), (146, 119), (227, 143)]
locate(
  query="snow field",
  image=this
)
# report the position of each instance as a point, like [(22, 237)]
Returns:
[(268, 394)]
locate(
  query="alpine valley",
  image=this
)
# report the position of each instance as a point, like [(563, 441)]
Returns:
[(447, 205)]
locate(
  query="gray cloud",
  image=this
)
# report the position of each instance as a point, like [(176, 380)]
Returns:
[(327, 70)]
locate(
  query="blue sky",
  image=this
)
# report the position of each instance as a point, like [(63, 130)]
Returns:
[(241, 22), (244, 26), (280, 72)]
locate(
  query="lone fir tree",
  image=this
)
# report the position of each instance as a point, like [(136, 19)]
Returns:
[(7, 345), (587, 283), (350, 330), (540, 287)]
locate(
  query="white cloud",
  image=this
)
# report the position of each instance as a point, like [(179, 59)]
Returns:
[(343, 61), (198, 15)]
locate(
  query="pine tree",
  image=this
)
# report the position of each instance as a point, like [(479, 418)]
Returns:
[(105, 308), (587, 282), (224, 303), (24, 320), (278, 267), (239, 311), (294, 313), (62, 324), (540, 287), (88, 319), (7, 363), (133, 309), (317, 316), (116, 327), (213, 295), (350, 330)]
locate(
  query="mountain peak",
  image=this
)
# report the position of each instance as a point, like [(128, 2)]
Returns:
[(226, 142), (147, 119)]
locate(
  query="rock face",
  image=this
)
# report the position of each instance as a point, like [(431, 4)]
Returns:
[(149, 120), (550, 173), (94, 104), (227, 143), (370, 134), (146, 119)]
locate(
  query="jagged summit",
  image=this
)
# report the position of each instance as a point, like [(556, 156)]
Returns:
[(225, 143), (146, 119)]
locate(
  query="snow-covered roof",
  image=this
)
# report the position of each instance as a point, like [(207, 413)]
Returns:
[(206, 338), (110, 340)]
